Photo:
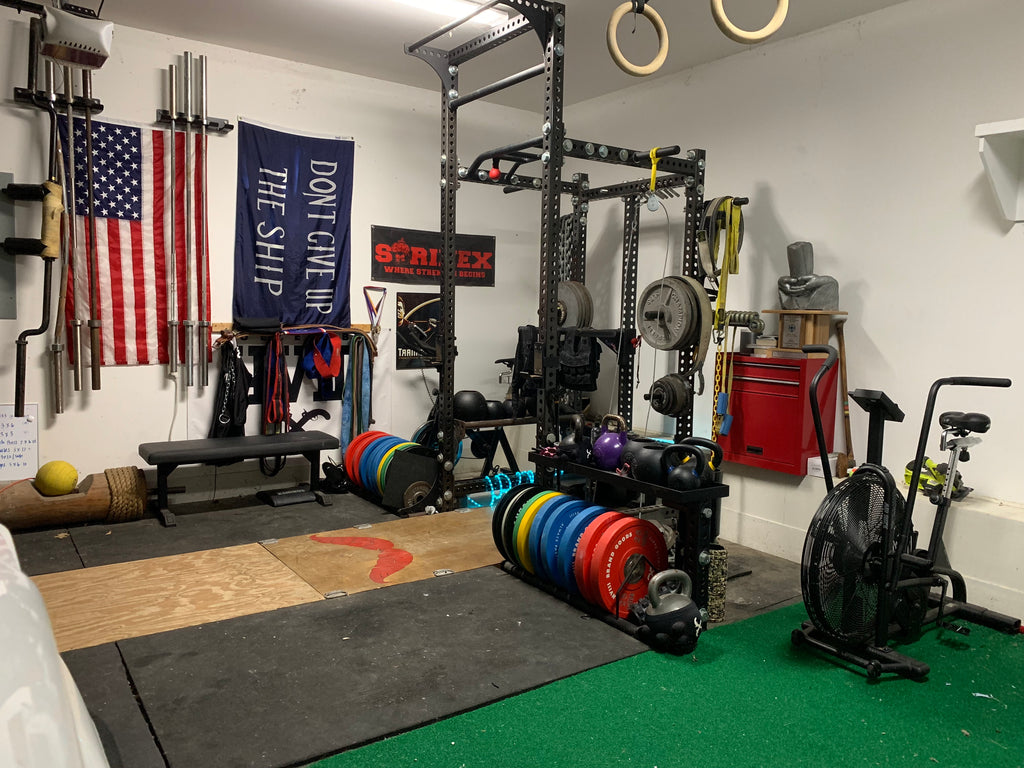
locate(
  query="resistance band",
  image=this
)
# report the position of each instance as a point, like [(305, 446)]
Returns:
[(358, 392)]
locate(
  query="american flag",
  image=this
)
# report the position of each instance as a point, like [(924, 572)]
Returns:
[(131, 192)]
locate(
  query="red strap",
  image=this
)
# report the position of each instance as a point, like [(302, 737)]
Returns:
[(333, 368)]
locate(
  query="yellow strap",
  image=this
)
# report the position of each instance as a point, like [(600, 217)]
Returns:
[(654, 166)]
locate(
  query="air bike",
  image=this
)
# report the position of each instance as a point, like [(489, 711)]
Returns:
[(865, 582)]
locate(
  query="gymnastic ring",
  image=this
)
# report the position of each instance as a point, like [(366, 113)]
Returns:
[(613, 44), (733, 32)]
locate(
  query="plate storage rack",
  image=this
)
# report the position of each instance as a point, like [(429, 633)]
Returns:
[(536, 165)]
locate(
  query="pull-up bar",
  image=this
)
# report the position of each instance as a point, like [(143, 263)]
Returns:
[(413, 47), (499, 85)]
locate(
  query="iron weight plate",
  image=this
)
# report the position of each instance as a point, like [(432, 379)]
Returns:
[(570, 541), (355, 450), (619, 556), (498, 513), (551, 535), (585, 550), (508, 525), (545, 513), (522, 528), (357, 457)]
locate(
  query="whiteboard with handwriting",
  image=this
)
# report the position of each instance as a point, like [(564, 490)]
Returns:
[(19, 443)]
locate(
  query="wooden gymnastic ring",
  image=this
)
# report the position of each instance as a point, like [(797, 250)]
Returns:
[(733, 32), (613, 44)]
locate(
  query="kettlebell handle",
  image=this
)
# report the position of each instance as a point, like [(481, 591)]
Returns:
[(689, 451), (702, 442), (672, 574), (619, 421)]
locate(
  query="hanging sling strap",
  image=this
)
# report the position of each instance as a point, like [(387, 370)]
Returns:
[(373, 308), (358, 391)]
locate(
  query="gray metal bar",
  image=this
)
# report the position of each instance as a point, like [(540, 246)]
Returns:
[(499, 85), (203, 332), (189, 224), (170, 246), (95, 323), (449, 27)]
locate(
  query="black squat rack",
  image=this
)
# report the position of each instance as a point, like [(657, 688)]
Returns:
[(562, 253)]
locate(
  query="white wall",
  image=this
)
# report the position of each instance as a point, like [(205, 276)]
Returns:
[(860, 139), (397, 167)]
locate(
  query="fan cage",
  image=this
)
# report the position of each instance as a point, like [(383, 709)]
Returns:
[(843, 562)]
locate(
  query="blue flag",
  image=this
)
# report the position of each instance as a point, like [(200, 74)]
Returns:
[(293, 229)]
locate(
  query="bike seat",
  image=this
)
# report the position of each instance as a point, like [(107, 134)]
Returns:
[(965, 423)]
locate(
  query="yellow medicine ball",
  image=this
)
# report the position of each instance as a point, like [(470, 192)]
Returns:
[(56, 478)]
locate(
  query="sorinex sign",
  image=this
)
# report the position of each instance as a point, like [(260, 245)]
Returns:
[(413, 256)]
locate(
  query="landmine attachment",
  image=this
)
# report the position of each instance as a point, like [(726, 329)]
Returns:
[(116, 496)]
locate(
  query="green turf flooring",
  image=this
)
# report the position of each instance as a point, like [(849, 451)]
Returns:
[(747, 697)]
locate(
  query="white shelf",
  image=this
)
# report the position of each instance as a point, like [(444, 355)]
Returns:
[(1001, 146)]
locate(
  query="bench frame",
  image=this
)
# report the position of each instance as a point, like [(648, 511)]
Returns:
[(168, 456)]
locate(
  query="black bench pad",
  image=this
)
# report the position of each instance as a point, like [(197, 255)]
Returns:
[(220, 449), (167, 456)]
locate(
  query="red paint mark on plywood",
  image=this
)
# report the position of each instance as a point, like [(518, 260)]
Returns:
[(390, 559)]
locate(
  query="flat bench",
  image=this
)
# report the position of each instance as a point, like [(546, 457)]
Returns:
[(168, 456)]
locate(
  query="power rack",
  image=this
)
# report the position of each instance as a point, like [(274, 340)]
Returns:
[(562, 255)]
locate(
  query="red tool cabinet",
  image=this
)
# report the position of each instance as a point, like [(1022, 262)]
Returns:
[(772, 426)]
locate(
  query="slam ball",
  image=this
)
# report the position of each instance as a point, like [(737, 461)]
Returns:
[(56, 478)]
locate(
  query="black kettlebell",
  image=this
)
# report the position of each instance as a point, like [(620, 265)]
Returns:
[(683, 467), (712, 459), (574, 445), (632, 447), (646, 464)]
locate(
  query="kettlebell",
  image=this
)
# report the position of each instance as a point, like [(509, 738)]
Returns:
[(574, 445), (712, 456), (676, 600), (683, 467), (646, 465), (607, 451), (631, 448), (673, 620)]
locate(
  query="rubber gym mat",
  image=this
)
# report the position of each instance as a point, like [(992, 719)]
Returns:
[(91, 606), (746, 698), (226, 523), (106, 690), (289, 686), (393, 552), (49, 551)]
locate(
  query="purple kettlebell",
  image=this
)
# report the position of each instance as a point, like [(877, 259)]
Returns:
[(607, 450)]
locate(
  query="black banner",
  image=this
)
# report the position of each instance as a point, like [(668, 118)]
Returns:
[(413, 257)]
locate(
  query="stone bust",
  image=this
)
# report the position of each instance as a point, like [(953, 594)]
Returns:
[(801, 288)]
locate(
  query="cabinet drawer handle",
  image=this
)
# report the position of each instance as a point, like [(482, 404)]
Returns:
[(766, 381)]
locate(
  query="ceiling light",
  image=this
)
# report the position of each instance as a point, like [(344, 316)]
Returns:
[(456, 9)]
